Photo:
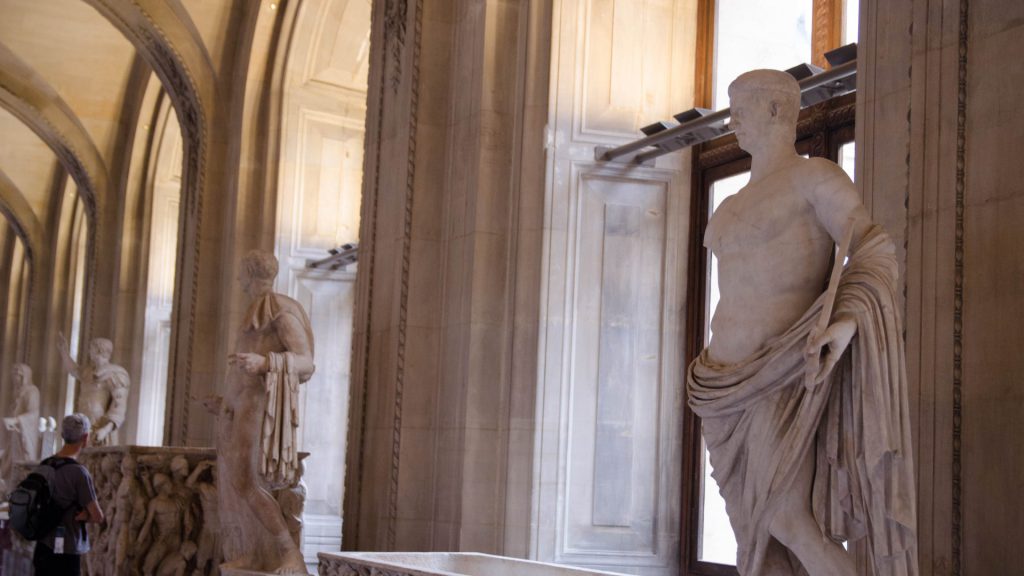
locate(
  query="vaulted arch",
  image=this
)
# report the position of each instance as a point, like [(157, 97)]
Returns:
[(20, 215), (32, 100), (164, 35)]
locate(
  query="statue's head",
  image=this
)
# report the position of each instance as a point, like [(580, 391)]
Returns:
[(258, 270), (128, 465), (179, 467), (109, 465), (100, 350), (162, 483), (22, 375), (764, 106)]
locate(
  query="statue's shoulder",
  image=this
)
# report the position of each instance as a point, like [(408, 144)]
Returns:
[(287, 305), (814, 171), (114, 375)]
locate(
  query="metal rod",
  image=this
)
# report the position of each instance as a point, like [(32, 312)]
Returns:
[(810, 83), (667, 135)]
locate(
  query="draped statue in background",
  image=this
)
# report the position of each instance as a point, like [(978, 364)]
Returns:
[(22, 426), (257, 443), (804, 409)]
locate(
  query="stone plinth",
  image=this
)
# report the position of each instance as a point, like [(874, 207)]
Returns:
[(439, 564)]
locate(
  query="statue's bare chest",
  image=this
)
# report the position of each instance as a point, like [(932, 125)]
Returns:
[(760, 217)]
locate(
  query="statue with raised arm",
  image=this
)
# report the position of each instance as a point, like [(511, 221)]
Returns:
[(258, 423), (802, 390), (22, 426), (103, 395)]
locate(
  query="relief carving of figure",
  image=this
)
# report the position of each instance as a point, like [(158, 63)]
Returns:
[(23, 426), (208, 550), (258, 422), (103, 395), (802, 391), (130, 504), (166, 513)]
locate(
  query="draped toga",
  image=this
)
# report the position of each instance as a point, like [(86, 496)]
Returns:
[(760, 423)]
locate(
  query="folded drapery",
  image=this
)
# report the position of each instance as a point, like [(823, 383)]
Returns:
[(761, 424), (279, 457)]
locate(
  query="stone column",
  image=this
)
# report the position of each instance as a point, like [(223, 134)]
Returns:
[(445, 331)]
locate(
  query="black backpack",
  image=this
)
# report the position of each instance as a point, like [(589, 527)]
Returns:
[(33, 511)]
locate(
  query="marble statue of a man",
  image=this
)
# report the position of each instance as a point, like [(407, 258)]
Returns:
[(103, 395), (804, 459), (257, 440), (22, 426)]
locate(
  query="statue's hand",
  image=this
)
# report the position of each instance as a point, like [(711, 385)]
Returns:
[(103, 431), (249, 362), (837, 339), (212, 403)]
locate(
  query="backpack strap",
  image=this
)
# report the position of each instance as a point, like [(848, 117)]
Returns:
[(57, 462)]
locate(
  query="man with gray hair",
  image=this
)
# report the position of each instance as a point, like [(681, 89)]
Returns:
[(103, 395), (60, 552)]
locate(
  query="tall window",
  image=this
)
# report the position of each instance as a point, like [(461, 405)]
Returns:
[(742, 35)]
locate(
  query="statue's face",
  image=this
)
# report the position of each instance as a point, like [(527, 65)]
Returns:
[(20, 377), (245, 280), (749, 119), (179, 467), (97, 356)]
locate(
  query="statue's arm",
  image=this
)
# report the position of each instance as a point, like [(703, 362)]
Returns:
[(194, 476), (838, 207), (149, 522), (836, 201), (31, 402), (295, 339), (118, 407), (69, 363)]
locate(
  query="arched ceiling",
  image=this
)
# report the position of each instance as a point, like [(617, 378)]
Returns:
[(78, 52), (87, 62), (28, 161)]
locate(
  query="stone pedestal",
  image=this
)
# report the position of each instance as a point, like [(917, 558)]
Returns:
[(440, 564), (176, 485)]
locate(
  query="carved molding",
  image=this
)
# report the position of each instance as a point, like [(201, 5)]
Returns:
[(169, 42), (958, 292), (396, 15), (21, 217), (403, 311)]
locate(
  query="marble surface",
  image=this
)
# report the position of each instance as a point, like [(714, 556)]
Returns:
[(439, 564), (807, 453), (261, 496)]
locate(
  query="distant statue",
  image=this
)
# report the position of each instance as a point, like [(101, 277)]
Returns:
[(804, 409), (258, 423), (103, 395), (23, 425)]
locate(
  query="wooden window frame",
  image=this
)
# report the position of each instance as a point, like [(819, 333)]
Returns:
[(821, 131), (826, 34)]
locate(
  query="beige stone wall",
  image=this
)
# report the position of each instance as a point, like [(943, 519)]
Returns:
[(938, 122)]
